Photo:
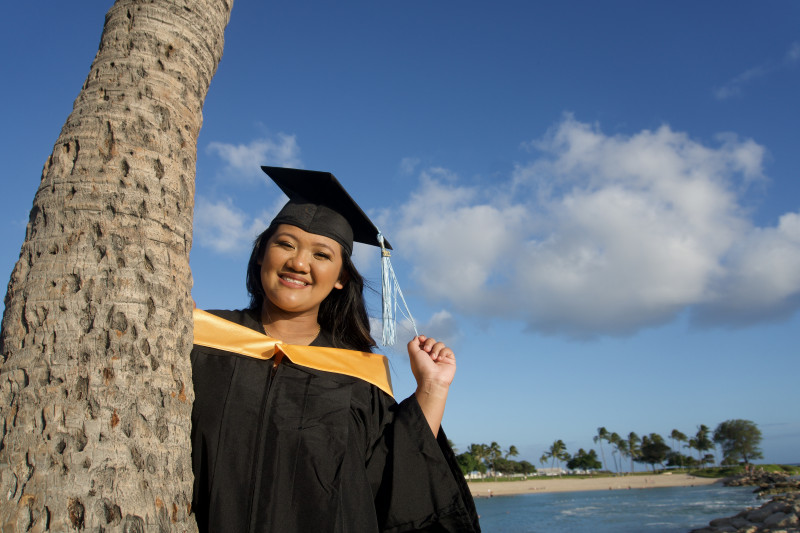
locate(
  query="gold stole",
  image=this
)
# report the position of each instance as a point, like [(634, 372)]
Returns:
[(215, 332)]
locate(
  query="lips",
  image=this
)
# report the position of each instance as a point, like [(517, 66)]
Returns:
[(293, 281)]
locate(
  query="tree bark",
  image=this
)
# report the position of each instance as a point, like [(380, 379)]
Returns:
[(95, 385)]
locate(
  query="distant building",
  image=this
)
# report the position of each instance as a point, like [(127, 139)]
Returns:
[(550, 472)]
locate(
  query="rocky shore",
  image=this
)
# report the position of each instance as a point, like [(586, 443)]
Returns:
[(780, 515)]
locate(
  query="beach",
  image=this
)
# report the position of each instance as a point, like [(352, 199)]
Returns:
[(567, 484)]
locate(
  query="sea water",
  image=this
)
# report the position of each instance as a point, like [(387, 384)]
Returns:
[(655, 510)]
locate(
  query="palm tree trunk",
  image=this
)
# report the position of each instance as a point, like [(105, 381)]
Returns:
[(96, 383)]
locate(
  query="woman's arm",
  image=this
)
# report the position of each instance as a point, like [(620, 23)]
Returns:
[(434, 366)]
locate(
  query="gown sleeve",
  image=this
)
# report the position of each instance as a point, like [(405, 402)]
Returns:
[(416, 481)]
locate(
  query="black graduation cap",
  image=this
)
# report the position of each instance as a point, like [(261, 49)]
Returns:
[(319, 204)]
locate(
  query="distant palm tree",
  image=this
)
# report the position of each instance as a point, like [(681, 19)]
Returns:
[(614, 439), (512, 452), (701, 442), (557, 453), (678, 437), (543, 459), (494, 453), (480, 452), (634, 448), (622, 448), (602, 434), (452, 446)]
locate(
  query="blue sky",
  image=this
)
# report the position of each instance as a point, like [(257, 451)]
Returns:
[(597, 204)]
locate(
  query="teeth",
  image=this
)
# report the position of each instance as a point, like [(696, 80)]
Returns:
[(295, 281)]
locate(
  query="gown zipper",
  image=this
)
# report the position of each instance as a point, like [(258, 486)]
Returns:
[(260, 437)]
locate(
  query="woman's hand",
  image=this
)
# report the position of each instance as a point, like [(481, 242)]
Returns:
[(434, 367), (431, 361)]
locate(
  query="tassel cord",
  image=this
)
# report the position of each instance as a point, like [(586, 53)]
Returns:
[(390, 290)]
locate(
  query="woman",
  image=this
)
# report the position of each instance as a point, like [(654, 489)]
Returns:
[(306, 438)]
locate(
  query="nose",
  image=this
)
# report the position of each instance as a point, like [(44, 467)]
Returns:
[(298, 261)]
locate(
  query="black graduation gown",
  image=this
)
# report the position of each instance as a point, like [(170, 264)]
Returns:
[(295, 449)]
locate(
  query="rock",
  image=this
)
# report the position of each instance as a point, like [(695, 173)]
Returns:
[(758, 515), (767, 482), (775, 519), (741, 523), (718, 522), (789, 521), (781, 514)]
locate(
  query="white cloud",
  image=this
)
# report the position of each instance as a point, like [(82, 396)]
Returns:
[(735, 86), (225, 228), (221, 225), (459, 238), (243, 161), (409, 164), (442, 326), (605, 235), (762, 279)]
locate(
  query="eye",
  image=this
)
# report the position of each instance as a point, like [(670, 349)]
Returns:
[(322, 255), (285, 244)]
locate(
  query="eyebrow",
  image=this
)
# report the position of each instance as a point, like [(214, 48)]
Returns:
[(291, 235)]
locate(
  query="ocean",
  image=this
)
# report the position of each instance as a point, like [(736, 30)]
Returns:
[(657, 510)]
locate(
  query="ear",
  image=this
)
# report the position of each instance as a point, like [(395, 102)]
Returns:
[(342, 281)]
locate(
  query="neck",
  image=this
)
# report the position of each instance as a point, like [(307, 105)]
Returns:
[(291, 328)]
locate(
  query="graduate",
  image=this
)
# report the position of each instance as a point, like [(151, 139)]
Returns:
[(294, 426)]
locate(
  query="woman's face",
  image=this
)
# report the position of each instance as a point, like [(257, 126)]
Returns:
[(299, 269)]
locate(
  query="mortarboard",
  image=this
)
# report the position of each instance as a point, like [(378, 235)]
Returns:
[(319, 204)]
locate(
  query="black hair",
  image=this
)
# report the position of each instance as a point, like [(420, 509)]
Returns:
[(343, 313)]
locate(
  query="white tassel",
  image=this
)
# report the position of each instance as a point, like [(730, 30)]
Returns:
[(390, 290)]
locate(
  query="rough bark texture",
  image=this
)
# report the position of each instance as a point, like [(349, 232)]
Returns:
[(95, 387)]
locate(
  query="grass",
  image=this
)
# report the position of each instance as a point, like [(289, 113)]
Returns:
[(737, 470)]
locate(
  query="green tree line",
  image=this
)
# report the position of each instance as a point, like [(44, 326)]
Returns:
[(491, 459), (739, 440)]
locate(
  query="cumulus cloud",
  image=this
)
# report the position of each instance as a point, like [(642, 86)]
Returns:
[(602, 234), (243, 161), (225, 228), (761, 279), (735, 86), (442, 325), (409, 164)]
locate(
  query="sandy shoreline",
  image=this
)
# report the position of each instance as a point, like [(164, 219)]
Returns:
[(555, 484)]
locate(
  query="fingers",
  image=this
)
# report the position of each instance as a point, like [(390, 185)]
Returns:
[(438, 351), (444, 355)]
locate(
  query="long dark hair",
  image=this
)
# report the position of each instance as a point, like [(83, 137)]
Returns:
[(343, 313)]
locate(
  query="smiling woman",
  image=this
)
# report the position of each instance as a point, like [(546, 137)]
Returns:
[(294, 427), (298, 271)]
